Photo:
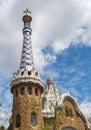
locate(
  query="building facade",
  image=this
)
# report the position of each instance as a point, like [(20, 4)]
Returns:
[(36, 107), (60, 110)]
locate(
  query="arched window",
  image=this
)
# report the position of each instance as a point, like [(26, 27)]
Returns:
[(71, 112), (22, 73), (33, 119), (18, 121), (36, 91), (29, 90), (29, 72), (43, 104), (66, 111), (77, 114), (22, 91)]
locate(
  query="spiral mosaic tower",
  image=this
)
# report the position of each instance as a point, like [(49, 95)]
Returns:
[(27, 56), (27, 87)]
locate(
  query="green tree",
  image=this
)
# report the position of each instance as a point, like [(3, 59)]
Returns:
[(4, 117), (2, 128)]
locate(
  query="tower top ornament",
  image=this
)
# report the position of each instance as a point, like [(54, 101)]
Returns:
[(27, 11)]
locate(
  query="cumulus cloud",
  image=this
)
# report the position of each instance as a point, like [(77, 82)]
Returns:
[(50, 58), (85, 106), (55, 23)]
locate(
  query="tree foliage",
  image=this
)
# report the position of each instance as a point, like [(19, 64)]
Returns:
[(2, 128)]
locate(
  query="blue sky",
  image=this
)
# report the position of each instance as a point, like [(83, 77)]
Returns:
[(61, 41), (71, 71)]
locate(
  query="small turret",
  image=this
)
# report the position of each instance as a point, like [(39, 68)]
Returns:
[(50, 81)]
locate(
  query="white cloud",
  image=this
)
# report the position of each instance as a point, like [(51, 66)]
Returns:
[(39, 60), (86, 108), (50, 58), (55, 24), (60, 45)]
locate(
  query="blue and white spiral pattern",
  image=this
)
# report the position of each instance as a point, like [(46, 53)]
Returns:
[(27, 55)]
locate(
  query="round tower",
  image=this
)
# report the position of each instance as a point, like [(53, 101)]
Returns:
[(27, 87)]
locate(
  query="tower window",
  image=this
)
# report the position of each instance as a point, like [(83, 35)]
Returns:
[(66, 111), (36, 91), (77, 114), (43, 102), (22, 73), (18, 121), (36, 73), (29, 90), (29, 72), (33, 119), (16, 92), (71, 112), (22, 91)]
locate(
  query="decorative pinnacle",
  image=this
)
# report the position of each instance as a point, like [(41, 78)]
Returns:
[(26, 11)]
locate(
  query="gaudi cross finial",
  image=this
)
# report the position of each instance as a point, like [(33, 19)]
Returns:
[(26, 11)]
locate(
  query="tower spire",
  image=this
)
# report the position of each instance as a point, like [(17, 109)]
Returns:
[(27, 61), (27, 87), (27, 72)]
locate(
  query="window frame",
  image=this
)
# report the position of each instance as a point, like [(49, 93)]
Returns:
[(22, 91), (33, 121), (18, 121), (67, 111), (29, 92)]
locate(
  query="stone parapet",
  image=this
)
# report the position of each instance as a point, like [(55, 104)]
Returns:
[(27, 79)]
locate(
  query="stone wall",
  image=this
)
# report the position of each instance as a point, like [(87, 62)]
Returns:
[(66, 116), (24, 105)]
